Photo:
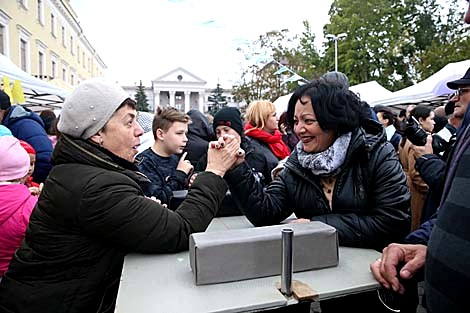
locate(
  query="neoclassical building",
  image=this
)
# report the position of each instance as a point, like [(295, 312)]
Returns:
[(44, 39), (180, 89)]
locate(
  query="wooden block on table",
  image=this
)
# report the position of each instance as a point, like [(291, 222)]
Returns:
[(301, 291)]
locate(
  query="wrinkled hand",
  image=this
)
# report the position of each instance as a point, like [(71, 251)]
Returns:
[(419, 151), (385, 269), (184, 165), (223, 154)]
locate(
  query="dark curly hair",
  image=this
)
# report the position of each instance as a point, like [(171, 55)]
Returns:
[(335, 108)]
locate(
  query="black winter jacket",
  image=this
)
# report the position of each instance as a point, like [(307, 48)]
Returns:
[(370, 198), (92, 212)]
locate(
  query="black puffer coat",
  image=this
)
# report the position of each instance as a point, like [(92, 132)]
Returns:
[(370, 198), (90, 214)]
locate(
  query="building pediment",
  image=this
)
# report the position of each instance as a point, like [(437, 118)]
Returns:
[(179, 75)]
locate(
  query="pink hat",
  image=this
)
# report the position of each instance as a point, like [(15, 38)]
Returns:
[(14, 160)]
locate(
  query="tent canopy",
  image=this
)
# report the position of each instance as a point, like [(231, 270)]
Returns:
[(434, 88), (38, 94), (370, 91)]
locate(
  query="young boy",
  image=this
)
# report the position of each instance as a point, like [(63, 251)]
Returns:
[(161, 163)]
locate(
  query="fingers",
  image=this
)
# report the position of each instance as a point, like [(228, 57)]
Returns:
[(375, 269), (183, 156)]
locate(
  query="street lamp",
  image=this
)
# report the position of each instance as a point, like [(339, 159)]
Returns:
[(336, 38)]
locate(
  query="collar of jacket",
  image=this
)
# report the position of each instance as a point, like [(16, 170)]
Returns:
[(73, 150), (365, 138)]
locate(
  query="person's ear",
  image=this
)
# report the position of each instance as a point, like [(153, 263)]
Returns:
[(421, 120), (160, 134), (98, 138)]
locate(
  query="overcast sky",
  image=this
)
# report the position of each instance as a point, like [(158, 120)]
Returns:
[(144, 39)]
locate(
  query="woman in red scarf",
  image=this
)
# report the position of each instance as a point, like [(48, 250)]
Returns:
[(261, 127)]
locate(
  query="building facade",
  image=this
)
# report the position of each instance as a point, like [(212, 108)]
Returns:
[(44, 38), (180, 89)]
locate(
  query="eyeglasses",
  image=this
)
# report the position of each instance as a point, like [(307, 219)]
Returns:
[(461, 91)]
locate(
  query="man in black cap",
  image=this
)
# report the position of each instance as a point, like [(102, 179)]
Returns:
[(445, 254)]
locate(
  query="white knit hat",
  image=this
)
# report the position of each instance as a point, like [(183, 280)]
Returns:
[(89, 107)]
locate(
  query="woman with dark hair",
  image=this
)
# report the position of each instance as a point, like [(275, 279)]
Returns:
[(288, 135), (424, 117), (343, 172)]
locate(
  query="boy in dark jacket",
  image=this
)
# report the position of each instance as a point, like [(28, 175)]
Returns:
[(161, 162)]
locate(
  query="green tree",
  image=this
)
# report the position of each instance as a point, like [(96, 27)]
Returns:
[(297, 53), (141, 98), (451, 43), (217, 100)]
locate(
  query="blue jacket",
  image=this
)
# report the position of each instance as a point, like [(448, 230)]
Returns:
[(28, 126)]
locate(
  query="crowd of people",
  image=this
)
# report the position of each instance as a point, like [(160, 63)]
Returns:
[(77, 196)]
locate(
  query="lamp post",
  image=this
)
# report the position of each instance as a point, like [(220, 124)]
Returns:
[(336, 38)]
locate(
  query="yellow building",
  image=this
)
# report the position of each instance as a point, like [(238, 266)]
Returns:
[(44, 38)]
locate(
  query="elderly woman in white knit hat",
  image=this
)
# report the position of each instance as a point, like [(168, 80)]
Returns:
[(16, 200), (92, 210)]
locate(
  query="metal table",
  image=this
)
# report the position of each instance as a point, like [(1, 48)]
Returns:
[(165, 283)]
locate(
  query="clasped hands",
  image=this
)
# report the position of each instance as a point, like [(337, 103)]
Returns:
[(224, 154)]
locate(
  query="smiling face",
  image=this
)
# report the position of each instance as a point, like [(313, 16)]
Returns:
[(174, 140), (313, 138), (121, 134)]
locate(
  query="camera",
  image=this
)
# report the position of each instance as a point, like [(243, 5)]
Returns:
[(415, 133)]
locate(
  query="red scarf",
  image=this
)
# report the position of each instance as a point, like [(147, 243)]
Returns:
[(274, 141)]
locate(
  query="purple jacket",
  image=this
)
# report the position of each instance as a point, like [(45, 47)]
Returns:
[(15, 208)]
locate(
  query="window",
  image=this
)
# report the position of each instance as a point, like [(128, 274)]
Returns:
[(41, 12), (83, 59), (2, 39), (53, 25), (54, 68), (40, 64), (64, 74), (78, 54), (63, 36), (24, 48), (72, 78), (71, 45), (23, 54)]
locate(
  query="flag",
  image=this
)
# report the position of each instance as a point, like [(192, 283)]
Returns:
[(6, 86), (17, 92), (293, 78), (281, 70)]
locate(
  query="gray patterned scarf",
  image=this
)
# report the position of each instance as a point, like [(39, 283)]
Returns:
[(327, 162)]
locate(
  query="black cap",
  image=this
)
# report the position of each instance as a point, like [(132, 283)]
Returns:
[(464, 81), (4, 101), (230, 117)]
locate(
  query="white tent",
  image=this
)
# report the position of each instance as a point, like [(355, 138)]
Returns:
[(428, 89), (370, 91), (38, 94)]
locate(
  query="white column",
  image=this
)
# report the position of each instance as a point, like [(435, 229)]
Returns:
[(187, 98), (172, 98), (201, 103), (156, 100)]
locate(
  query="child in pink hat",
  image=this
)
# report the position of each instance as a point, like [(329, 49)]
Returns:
[(17, 202)]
